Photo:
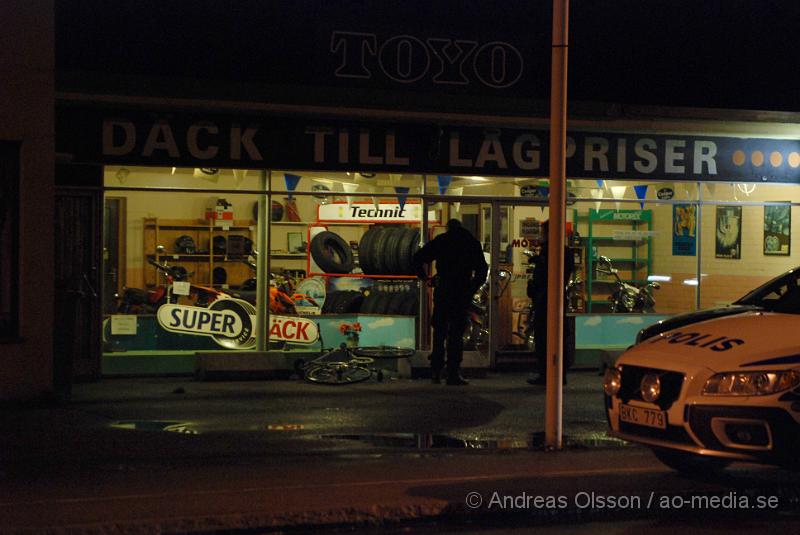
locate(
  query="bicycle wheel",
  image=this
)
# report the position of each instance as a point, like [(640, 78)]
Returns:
[(383, 352), (338, 374)]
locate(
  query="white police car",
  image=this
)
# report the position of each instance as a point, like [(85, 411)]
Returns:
[(711, 387)]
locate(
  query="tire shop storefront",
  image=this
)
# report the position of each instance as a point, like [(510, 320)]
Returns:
[(368, 135), (341, 205)]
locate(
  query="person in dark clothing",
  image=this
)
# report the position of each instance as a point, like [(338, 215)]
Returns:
[(460, 271), (537, 291)]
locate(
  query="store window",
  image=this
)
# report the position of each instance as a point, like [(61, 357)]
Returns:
[(747, 234), (9, 240), (344, 243)]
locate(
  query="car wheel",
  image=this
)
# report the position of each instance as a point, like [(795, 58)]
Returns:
[(689, 463)]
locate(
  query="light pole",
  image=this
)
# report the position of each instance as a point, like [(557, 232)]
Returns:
[(555, 265)]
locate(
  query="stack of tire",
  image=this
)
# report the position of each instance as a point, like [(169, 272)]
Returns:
[(394, 300), (388, 250), (343, 302), (331, 253)]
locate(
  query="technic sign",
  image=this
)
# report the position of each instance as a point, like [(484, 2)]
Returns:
[(230, 323)]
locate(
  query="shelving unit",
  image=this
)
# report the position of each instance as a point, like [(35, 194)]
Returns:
[(201, 265), (624, 236)]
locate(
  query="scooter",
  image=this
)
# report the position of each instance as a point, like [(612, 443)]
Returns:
[(627, 297)]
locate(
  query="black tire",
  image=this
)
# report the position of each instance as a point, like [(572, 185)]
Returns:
[(410, 304), (368, 304), (383, 352), (405, 251), (371, 255), (331, 302), (365, 248), (331, 253), (380, 250), (381, 303), (395, 303), (337, 374), (391, 253), (349, 301), (689, 463), (413, 247)]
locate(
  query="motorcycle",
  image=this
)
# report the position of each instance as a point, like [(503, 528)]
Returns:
[(572, 291), (140, 301), (282, 297), (476, 335), (627, 297)]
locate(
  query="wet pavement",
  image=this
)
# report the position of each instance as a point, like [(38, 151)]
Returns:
[(500, 411), (180, 455)]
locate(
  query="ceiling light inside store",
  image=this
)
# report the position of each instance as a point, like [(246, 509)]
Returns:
[(659, 278), (475, 178)]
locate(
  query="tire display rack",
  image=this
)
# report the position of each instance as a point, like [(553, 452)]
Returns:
[(385, 254)]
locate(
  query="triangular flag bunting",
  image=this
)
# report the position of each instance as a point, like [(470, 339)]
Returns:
[(291, 182), (402, 193), (641, 193), (444, 183)]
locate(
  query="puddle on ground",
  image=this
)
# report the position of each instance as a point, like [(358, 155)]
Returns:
[(171, 426), (424, 441)]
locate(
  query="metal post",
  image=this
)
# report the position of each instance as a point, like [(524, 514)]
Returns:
[(262, 266), (555, 265)]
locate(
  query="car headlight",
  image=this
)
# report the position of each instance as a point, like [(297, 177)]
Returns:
[(751, 383), (612, 381)]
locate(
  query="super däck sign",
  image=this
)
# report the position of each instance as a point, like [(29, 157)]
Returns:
[(230, 323), (271, 142)]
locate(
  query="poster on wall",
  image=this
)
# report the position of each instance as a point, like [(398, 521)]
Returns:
[(729, 232), (777, 230), (684, 229)]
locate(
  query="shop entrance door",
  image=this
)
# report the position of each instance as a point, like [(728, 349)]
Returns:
[(513, 255), (77, 282), (501, 336)]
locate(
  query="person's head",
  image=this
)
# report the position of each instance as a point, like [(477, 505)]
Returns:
[(453, 224)]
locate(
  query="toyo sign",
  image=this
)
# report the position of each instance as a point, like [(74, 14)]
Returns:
[(230, 323)]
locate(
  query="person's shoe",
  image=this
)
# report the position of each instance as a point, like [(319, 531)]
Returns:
[(436, 377), (539, 380), (455, 379)]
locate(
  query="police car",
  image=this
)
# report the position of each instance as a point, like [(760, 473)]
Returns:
[(708, 388)]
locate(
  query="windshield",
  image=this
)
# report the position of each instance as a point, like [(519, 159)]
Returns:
[(781, 294)]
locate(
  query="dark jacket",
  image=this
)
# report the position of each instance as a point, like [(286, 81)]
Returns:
[(537, 286), (459, 260)]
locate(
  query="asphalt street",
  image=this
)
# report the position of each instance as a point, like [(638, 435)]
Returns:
[(180, 455)]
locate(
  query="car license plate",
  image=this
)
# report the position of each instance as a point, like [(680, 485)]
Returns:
[(642, 416)]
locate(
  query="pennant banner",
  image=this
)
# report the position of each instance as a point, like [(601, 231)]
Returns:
[(402, 193), (444, 183), (238, 176), (600, 183), (641, 193), (349, 187), (291, 182), (597, 194)]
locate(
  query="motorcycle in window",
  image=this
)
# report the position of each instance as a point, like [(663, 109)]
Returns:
[(627, 297)]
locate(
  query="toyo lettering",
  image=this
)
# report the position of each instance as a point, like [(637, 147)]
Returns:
[(708, 341)]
